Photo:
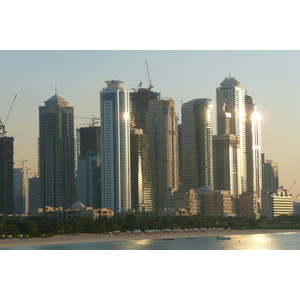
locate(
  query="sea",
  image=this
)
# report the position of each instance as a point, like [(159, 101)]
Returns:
[(266, 241)]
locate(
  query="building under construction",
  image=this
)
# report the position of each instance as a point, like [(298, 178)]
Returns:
[(6, 174), (139, 101), (88, 166)]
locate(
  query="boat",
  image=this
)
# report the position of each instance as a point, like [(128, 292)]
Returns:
[(221, 237), (190, 238), (169, 239)]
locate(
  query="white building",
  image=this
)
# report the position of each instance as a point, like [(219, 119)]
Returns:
[(276, 202), (230, 95), (253, 147), (115, 147)]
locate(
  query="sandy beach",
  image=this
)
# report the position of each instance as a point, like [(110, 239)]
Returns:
[(91, 238)]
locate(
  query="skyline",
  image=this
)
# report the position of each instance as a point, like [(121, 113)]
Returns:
[(79, 76)]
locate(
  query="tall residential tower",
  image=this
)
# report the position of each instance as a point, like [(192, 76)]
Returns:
[(56, 152), (253, 147), (115, 147), (231, 99), (161, 127), (196, 144)]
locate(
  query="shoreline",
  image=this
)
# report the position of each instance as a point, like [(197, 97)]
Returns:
[(95, 238)]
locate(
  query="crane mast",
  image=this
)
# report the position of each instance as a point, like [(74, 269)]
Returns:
[(150, 82), (2, 125)]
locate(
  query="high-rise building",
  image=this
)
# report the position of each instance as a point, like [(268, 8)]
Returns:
[(115, 147), (56, 153), (231, 99), (226, 148), (6, 174), (34, 196), (253, 147), (197, 146), (19, 191), (270, 174), (141, 186), (161, 127), (139, 102), (88, 160), (180, 153)]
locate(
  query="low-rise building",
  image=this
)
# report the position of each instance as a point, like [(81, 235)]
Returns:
[(215, 202), (77, 210), (276, 202), (182, 202), (249, 205)]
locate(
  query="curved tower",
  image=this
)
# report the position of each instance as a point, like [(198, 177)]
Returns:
[(115, 147), (197, 152)]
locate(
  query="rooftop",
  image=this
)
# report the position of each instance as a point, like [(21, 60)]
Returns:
[(229, 81)]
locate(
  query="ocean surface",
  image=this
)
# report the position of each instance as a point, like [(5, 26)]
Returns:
[(274, 241)]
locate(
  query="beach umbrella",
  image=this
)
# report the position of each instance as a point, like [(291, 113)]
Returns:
[(20, 236), (10, 237)]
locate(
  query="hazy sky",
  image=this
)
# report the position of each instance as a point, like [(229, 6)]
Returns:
[(270, 77)]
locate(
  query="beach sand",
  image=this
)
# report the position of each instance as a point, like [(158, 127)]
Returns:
[(91, 238)]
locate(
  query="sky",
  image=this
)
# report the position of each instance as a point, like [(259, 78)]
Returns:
[(269, 77)]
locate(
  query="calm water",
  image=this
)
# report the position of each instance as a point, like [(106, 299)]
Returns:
[(276, 241)]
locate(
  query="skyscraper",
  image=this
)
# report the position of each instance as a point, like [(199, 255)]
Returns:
[(6, 174), (141, 186), (270, 174), (56, 153), (197, 151), (19, 191), (139, 105), (230, 98), (87, 163), (253, 147), (226, 149), (115, 147), (161, 127)]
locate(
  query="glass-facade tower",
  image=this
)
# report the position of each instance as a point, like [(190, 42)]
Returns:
[(231, 99), (115, 147), (253, 147), (196, 144)]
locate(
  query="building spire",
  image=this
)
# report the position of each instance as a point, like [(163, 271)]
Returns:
[(55, 89)]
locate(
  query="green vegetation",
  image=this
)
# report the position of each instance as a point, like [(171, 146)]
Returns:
[(37, 226)]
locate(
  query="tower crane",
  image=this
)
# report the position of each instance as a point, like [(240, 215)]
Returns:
[(150, 82), (2, 125), (91, 119), (292, 186)]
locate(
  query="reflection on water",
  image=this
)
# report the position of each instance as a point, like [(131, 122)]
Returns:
[(283, 241)]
